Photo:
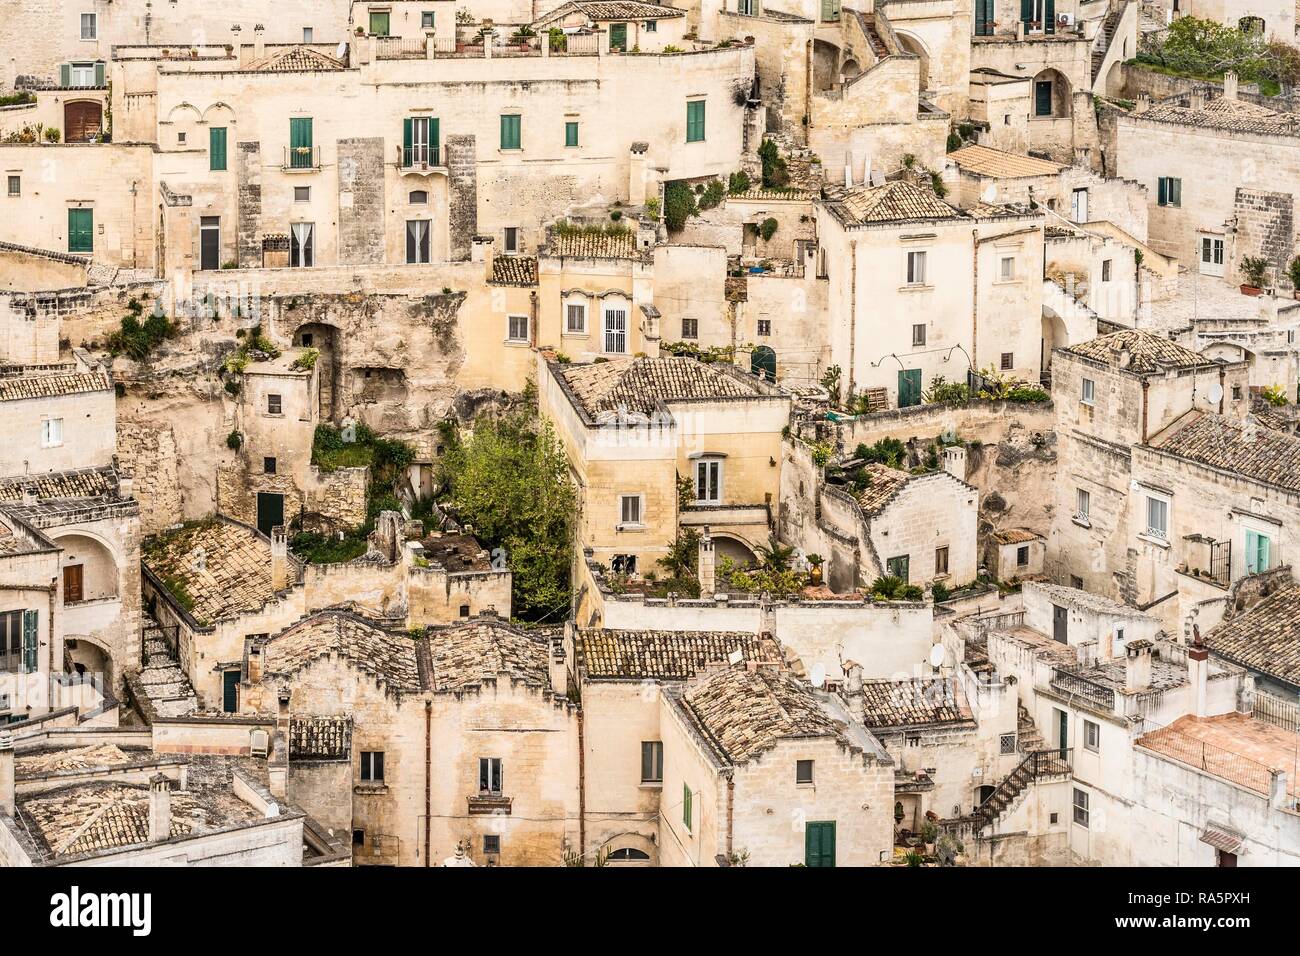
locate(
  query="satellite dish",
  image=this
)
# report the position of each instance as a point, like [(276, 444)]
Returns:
[(736, 656), (1216, 393), (990, 192), (341, 51), (937, 655), (818, 675)]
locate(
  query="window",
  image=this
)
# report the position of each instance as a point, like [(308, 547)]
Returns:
[(302, 251), (52, 433), (426, 20), (918, 334), (464, 610), (1087, 390), (1008, 268), (1079, 205), (510, 132), (517, 330), (708, 480), (82, 74), (629, 507), (745, 7), (687, 816), (217, 148), (615, 330), (575, 318), (1081, 808), (1091, 736), (268, 466), (1022, 556), (512, 239), (19, 641), (898, 567), (1008, 361), (1157, 517), (358, 837), (623, 564), (571, 133), (491, 844), (372, 766), (1169, 191), (417, 241), (916, 268), (81, 230), (489, 776), (1236, 389), (764, 327), (274, 405), (652, 761), (180, 139), (941, 560), (1007, 744), (300, 142), (695, 121), (803, 771), (302, 194), (1105, 270), (89, 26), (690, 328), (15, 185), (379, 23), (1258, 549), (306, 34), (1076, 582), (419, 141), (651, 26), (418, 197)]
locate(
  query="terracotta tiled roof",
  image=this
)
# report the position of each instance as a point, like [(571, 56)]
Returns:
[(1077, 597), (1015, 536), (899, 201), (986, 161), (1266, 638), (614, 10), (80, 483), (46, 385), (1235, 116), (639, 385), (389, 658), (320, 737), (745, 713), (76, 758), (885, 482), (767, 195), (1243, 448), (470, 652), (668, 655), (903, 703), (514, 270), (224, 567), (592, 244), (298, 59), (1148, 352)]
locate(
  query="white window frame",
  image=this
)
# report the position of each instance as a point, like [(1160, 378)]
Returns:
[(916, 266), (510, 330), (307, 34), (613, 334), (81, 74), (719, 478), (1007, 269), (1088, 392), (51, 432), (1082, 503), (1079, 809), (495, 776), (655, 752), (1151, 531), (303, 234), (94, 26), (624, 522), (569, 329), (1091, 736), (306, 190)]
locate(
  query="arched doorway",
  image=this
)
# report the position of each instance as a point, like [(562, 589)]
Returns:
[(850, 69), (762, 361), (911, 44), (1050, 96), (735, 549), (89, 569), (982, 794), (83, 120), (826, 66), (323, 338)]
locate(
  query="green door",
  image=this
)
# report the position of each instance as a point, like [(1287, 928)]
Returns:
[(270, 511), (983, 18), (31, 640), (1043, 98), (1257, 548), (819, 843), (300, 142), (81, 230), (909, 387), (230, 691), (379, 24), (1063, 733), (762, 361), (618, 36), (217, 148)]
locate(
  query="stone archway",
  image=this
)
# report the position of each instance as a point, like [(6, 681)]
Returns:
[(826, 66), (911, 44), (1050, 96), (83, 120), (325, 339)]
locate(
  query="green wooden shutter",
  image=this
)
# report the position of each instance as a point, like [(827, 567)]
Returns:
[(300, 139), (819, 844), (695, 121), (570, 134), (1026, 11), (30, 640), (510, 132), (1049, 16), (1175, 191), (1162, 191), (217, 148), (407, 139), (81, 230), (686, 806), (65, 75), (99, 73)]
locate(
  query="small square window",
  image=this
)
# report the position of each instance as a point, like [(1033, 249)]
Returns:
[(690, 328), (302, 194), (1008, 268), (52, 433), (306, 340), (1236, 392), (652, 26), (464, 610), (1076, 582), (764, 327), (918, 334), (274, 405), (15, 185), (1091, 736), (426, 20), (1022, 556), (1007, 744), (306, 34), (180, 139), (630, 509), (372, 766), (518, 328), (803, 771), (1053, 818), (492, 844), (268, 466), (1008, 361)]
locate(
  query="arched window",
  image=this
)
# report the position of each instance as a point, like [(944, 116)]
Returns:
[(418, 197), (628, 854)]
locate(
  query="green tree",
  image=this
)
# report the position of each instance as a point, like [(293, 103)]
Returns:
[(510, 480)]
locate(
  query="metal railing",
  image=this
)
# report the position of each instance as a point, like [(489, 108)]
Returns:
[(1037, 763), (1216, 761), (1221, 561), (1070, 682), (1276, 711), (421, 157), (301, 157), (400, 48)]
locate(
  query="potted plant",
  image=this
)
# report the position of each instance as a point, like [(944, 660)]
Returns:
[(815, 562), (1293, 273), (1253, 269), (929, 833)]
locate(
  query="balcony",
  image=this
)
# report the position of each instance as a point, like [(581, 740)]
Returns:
[(301, 159), (490, 804), (1071, 683), (422, 160)]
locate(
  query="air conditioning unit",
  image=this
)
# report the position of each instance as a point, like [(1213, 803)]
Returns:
[(1065, 19)]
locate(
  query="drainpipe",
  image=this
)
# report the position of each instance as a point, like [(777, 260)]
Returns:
[(807, 88), (428, 778), (1222, 379), (532, 303), (975, 300), (55, 639), (731, 816), (853, 316), (582, 783), (1145, 385)]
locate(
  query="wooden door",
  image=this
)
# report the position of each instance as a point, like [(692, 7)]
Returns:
[(73, 578), (82, 121)]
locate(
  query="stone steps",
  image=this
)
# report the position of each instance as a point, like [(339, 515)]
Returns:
[(162, 677)]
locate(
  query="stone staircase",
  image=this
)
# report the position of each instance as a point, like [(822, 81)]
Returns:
[(1028, 739), (1104, 36), (161, 679), (868, 22)]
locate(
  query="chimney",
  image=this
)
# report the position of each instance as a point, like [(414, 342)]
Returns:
[(708, 583), (559, 672), (481, 250), (766, 616), (1106, 646), (1143, 103), (279, 557), (388, 535), (259, 44), (1277, 788), (277, 765), (255, 664), (1196, 100), (1230, 85), (160, 808), (1137, 666), (636, 174), (29, 494), (954, 461), (6, 773), (1198, 672), (853, 687)]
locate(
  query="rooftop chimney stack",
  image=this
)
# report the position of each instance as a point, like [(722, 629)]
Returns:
[(277, 764), (1143, 103), (6, 773), (160, 808), (1230, 85), (259, 43), (1137, 666), (636, 174), (279, 558), (707, 563), (1196, 100), (1198, 674)]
